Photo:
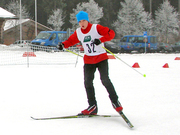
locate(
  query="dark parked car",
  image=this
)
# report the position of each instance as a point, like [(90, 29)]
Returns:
[(164, 47), (176, 47), (113, 47)]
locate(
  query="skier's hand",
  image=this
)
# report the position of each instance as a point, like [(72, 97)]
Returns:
[(60, 46), (97, 41)]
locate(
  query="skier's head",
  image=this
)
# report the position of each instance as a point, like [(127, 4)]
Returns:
[(82, 16)]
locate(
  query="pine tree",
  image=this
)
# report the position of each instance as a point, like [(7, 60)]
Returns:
[(110, 10), (56, 20), (95, 12), (132, 19), (166, 21), (14, 7)]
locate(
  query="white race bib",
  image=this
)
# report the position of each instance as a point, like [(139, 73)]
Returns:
[(90, 49)]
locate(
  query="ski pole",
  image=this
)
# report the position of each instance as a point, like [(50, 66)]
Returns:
[(73, 53), (77, 59), (144, 75)]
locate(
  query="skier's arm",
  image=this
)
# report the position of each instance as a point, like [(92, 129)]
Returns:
[(106, 33), (72, 40)]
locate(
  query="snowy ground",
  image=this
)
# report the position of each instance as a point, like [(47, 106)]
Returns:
[(151, 103)]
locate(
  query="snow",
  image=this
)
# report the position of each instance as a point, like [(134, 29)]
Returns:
[(5, 14), (151, 103), (11, 23)]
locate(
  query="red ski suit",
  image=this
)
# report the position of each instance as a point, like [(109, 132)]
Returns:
[(106, 33)]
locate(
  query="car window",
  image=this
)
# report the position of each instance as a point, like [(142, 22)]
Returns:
[(153, 39), (140, 40), (124, 39), (131, 39), (53, 36), (62, 36), (43, 35)]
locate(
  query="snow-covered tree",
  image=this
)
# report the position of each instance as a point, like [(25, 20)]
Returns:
[(166, 21), (132, 19), (14, 7), (56, 20), (95, 12)]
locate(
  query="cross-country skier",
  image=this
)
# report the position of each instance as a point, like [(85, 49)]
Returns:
[(92, 37)]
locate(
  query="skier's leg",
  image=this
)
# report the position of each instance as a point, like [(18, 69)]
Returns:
[(89, 70), (104, 75)]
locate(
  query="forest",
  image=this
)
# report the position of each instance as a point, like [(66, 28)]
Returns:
[(110, 9)]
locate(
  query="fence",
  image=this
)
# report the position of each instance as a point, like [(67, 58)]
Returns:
[(35, 55)]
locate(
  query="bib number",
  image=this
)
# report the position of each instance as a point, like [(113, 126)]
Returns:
[(91, 48)]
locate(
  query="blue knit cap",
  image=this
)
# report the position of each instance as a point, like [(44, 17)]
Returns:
[(82, 16)]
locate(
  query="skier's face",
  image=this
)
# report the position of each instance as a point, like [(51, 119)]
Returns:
[(83, 24)]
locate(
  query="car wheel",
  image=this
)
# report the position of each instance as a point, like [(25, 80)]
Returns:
[(141, 50), (162, 50), (174, 50), (122, 50)]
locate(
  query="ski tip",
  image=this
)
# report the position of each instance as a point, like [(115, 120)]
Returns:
[(32, 117), (126, 119), (131, 126)]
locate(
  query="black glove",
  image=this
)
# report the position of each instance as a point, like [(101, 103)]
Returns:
[(60, 46), (97, 41)]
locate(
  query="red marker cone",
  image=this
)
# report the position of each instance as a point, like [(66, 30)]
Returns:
[(136, 65), (177, 58), (166, 65), (111, 57)]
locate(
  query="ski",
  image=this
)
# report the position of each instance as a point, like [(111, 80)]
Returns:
[(72, 116), (85, 116), (126, 119)]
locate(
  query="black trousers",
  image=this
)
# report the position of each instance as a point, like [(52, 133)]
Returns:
[(89, 70)]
